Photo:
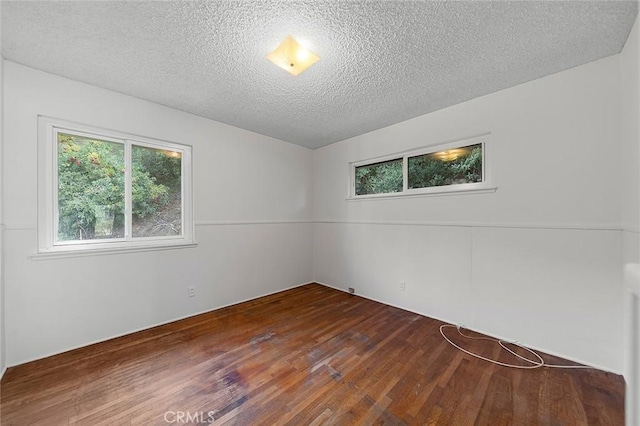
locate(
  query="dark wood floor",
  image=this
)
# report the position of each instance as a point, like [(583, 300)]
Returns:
[(307, 356)]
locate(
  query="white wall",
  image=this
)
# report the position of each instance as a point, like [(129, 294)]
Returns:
[(537, 261), (252, 212), (2, 333), (630, 80)]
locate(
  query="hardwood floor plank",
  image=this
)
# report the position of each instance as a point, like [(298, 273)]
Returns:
[(310, 355)]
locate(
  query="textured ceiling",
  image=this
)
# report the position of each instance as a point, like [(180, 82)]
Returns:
[(382, 62)]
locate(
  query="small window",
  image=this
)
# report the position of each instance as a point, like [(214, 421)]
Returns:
[(105, 190), (379, 178), (460, 166), (450, 167)]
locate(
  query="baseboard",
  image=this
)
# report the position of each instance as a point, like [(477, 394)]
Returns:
[(155, 325), (4, 370), (486, 333)]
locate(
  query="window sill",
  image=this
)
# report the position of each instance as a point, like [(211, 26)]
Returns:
[(62, 254), (440, 193)]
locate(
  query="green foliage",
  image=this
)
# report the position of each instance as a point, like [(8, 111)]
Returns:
[(166, 169), (423, 171), (91, 186), (429, 170), (379, 178)]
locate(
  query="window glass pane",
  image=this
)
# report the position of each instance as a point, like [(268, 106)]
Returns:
[(90, 188), (156, 192), (379, 178), (450, 167)]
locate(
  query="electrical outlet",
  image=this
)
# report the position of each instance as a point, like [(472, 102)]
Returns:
[(191, 291), (403, 285)]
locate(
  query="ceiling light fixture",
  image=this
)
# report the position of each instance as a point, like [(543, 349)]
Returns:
[(292, 57)]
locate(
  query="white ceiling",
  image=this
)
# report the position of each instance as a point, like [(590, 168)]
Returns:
[(382, 62)]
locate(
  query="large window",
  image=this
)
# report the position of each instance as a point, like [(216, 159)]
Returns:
[(103, 190), (452, 167)]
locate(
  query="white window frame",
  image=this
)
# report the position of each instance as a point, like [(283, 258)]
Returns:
[(48, 243), (485, 186)]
